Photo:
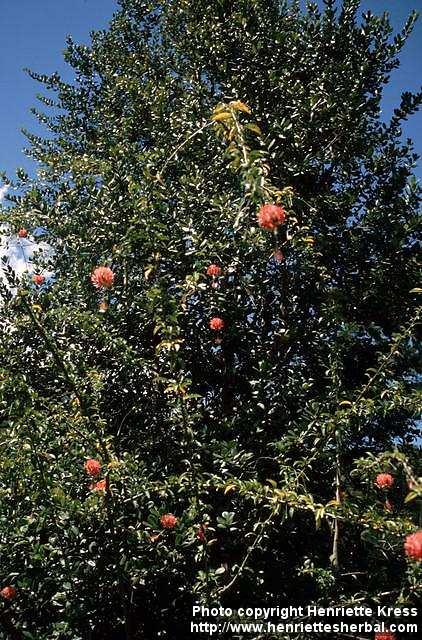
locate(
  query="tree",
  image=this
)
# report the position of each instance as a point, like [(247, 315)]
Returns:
[(196, 406)]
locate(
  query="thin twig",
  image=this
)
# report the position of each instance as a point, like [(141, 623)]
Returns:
[(176, 151)]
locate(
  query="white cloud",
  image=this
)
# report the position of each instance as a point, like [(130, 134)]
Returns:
[(19, 254), (3, 190)]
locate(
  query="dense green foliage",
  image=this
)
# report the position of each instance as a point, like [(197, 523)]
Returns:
[(271, 431)]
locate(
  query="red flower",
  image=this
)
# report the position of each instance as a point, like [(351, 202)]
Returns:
[(92, 467), (213, 270), (102, 277), (101, 485), (278, 255), (8, 593), (413, 545), (384, 480), (168, 521), (22, 233), (38, 279), (216, 324), (270, 216), (386, 635)]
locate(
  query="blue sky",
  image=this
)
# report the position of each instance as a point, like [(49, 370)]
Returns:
[(33, 32)]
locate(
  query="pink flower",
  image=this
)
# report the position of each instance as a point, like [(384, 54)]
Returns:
[(101, 485), (271, 216), (92, 467), (102, 277), (386, 635), (216, 324), (22, 233), (213, 270), (8, 593), (168, 521), (384, 480), (278, 255), (413, 545), (38, 279)]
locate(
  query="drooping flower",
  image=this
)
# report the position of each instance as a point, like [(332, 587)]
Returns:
[(384, 480), (168, 521), (92, 467), (23, 233), (155, 537), (388, 505), (271, 216), (200, 534), (101, 485), (102, 277), (213, 270), (385, 635), (8, 593), (413, 545), (216, 324), (38, 279)]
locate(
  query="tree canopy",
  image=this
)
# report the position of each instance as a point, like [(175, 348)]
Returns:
[(198, 405)]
